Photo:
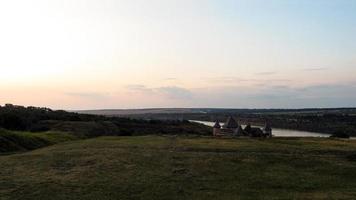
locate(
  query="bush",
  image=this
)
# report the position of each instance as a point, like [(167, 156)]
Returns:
[(340, 134)]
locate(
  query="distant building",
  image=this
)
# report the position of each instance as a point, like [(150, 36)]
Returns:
[(231, 123), (239, 132), (217, 129), (267, 130), (232, 128)]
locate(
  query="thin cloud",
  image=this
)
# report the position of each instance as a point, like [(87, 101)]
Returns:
[(175, 92), (88, 95), (170, 79), (232, 79), (172, 92), (228, 79), (278, 80), (138, 88), (316, 69), (266, 73)]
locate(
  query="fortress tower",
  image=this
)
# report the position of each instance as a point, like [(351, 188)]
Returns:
[(267, 130), (216, 128)]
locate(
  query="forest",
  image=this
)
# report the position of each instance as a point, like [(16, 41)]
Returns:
[(35, 119), (330, 120)]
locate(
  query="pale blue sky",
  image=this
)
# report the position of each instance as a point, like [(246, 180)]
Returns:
[(88, 54)]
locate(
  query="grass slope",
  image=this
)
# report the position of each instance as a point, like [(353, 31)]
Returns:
[(11, 141), (158, 167)]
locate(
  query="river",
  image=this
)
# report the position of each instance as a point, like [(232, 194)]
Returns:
[(279, 132)]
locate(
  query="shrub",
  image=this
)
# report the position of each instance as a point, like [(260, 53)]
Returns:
[(340, 134)]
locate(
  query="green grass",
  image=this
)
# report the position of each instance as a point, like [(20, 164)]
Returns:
[(11, 141), (167, 167)]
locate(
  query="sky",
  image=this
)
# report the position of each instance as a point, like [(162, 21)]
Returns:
[(100, 54)]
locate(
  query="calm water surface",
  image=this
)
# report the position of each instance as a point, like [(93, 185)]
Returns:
[(279, 132)]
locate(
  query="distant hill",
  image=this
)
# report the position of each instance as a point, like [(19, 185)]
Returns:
[(125, 112), (117, 112)]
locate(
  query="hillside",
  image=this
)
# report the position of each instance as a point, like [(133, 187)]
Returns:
[(128, 112), (14, 141), (124, 112), (28, 128), (169, 167)]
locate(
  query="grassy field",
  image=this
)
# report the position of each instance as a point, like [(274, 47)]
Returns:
[(168, 167)]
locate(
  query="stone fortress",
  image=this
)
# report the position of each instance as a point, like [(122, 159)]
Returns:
[(232, 128)]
